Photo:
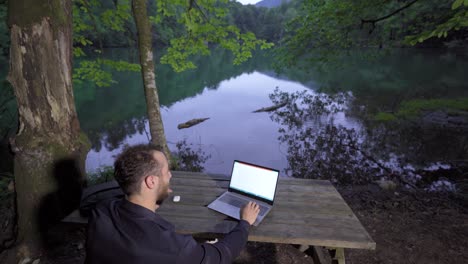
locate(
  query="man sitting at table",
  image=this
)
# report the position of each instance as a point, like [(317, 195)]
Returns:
[(130, 231)]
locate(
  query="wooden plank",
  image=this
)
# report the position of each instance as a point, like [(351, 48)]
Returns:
[(204, 198), (298, 203), (277, 233), (277, 214), (289, 191)]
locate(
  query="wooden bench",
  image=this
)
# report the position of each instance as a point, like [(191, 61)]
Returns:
[(306, 212)]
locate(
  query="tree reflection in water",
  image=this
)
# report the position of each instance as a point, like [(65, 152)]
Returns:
[(321, 145)]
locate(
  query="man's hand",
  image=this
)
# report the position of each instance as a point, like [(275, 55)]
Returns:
[(249, 212)]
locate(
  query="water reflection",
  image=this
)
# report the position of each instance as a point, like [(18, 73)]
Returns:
[(406, 151), (108, 110), (232, 132), (334, 122)]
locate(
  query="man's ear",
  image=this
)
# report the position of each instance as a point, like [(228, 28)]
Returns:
[(151, 181)]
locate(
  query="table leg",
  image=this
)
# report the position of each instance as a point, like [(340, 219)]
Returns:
[(321, 255), (339, 256), (303, 248)]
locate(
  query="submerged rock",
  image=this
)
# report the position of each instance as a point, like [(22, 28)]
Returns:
[(192, 122), (387, 184)]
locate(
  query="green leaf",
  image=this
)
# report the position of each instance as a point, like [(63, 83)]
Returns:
[(457, 4)]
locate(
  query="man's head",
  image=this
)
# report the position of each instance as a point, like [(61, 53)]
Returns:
[(143, 170)]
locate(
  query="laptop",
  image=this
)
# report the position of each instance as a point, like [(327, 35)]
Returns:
[(249, 182)]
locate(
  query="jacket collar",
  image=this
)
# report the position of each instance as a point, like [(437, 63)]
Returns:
[(144, 212)]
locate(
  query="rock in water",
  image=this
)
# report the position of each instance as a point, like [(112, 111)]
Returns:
[(387, 184), (192, 122)]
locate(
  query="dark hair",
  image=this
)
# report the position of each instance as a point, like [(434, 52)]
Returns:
[(134, 164)]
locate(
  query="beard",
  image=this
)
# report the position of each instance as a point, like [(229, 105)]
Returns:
[(163, 195)]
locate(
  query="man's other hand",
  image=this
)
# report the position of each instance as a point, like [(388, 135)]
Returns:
[(250, 212)]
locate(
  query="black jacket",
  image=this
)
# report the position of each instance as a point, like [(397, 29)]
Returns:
[(123, 232)]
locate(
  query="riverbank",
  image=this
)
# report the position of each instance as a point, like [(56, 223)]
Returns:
[(408, 227)]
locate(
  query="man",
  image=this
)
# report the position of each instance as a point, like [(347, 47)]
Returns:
[(130, 231)]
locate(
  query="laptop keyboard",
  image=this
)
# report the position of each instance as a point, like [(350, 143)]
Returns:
[(238, 202)]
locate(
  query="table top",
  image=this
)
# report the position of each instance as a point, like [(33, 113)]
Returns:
[(305, 211)]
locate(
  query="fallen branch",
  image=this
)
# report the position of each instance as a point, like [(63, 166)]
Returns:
[(191, 123), (389, 171), (270, 108)]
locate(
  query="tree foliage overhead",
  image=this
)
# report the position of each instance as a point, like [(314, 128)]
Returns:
[(344, 24), (187, 27), (204, 23), (455, 22)]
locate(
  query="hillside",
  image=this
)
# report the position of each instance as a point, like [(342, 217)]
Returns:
[(270, 3)]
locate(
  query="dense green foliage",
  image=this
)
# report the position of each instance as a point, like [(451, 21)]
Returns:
[(265, 23), (189, 28), (337, 25)]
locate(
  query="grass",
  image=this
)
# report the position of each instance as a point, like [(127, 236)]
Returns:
[(384, 117), (414, 108)]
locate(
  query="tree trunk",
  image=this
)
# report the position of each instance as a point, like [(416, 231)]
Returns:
[(149, 78), (49, 148)]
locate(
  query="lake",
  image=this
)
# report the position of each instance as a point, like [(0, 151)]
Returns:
[(374, 93)]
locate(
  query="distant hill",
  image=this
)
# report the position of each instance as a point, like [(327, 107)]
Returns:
[(271, 3)]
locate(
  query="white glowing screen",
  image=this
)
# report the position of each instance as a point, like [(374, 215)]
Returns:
[(254, 180)]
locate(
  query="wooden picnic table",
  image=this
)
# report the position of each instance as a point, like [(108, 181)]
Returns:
[(305, 212)]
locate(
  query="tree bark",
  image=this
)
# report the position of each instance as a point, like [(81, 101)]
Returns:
[(148, 72), (48, 147)]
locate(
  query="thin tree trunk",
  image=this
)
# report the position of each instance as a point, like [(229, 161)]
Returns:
[(49, 148), (149, 78)]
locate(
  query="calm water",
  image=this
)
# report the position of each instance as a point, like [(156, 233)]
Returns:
[(232, 132), (115, 116)]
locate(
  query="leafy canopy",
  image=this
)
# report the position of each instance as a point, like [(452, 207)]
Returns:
[(332, 25), (191, 27), (204, 23)]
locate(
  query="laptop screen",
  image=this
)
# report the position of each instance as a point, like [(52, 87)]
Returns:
[(254, 180)]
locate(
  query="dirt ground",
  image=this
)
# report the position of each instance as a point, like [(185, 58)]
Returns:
[(408, 227)]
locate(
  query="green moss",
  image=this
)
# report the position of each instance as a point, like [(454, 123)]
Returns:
[(83, 140), (414, 108), (384, 117), (27, 12), (57, 150)]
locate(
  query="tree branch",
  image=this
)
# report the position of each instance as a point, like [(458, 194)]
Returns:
[(389, 171), (88, 6), (374, 21), (193, 3)]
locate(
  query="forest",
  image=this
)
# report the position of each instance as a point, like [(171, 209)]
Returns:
[(82, 77)]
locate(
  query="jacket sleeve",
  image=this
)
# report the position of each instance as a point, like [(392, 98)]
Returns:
[(222, 252)]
